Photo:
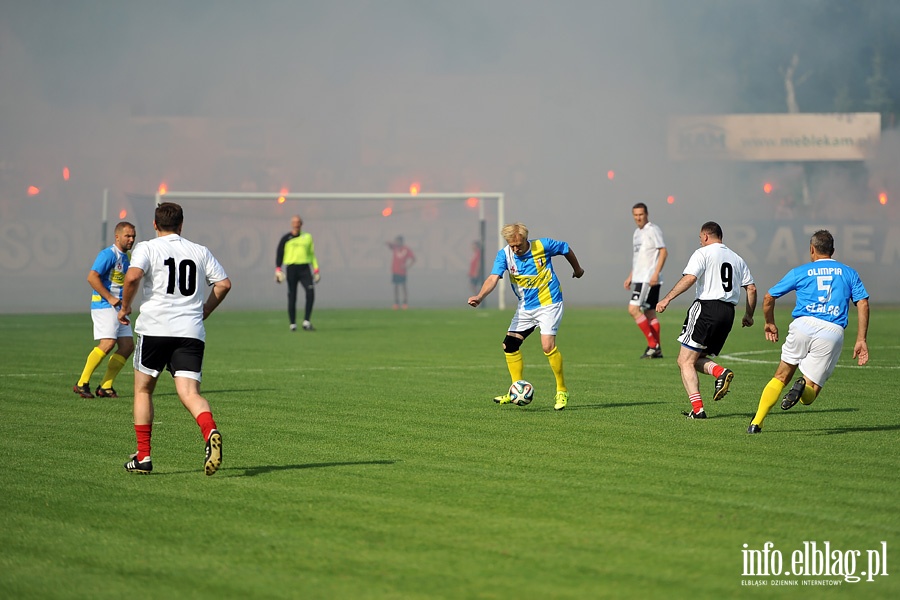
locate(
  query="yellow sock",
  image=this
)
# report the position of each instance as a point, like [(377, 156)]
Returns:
[(93, 361), (767, 400), (808, 395), (515, 364), (116, 362), (556, 363)]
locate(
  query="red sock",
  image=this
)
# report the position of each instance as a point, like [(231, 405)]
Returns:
[(644, 324), (206, 423), (696, 402), (654, 326), (142, 433), (716, 370)]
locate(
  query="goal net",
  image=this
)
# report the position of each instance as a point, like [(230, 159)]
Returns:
[(351, 232)]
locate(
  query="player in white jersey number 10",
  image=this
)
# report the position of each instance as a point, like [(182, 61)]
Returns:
[(171, 334)]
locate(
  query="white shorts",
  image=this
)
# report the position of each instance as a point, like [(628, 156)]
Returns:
[(545, 317), (815, 345), (107, 326)]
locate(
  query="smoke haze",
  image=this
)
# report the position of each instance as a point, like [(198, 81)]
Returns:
[(537, 100)]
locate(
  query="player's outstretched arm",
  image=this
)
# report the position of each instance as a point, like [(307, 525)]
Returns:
[(771, 330), (861, 348), (219, 290), (97, 285), (682, 286), (279, 252), (577, 271), (486, 288), (660, 263), (747, 321), (129, 288)]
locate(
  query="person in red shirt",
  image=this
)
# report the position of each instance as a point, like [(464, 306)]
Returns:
[(403, 259)]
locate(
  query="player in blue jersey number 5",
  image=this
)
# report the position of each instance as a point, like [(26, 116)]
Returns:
[(535, 284), (825, 288)]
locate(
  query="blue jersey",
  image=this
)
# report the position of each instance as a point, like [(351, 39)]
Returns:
[(531, 275), (824, 289), (111, 264)]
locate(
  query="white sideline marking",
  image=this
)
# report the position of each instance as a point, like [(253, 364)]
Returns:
[(738, 357)]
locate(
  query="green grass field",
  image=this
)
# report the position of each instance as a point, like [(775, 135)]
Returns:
[(367, 460)]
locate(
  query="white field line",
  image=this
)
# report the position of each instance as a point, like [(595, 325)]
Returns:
[(735, 357), (740, 357)]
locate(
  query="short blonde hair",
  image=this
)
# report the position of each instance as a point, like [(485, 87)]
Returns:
[(510, 231)]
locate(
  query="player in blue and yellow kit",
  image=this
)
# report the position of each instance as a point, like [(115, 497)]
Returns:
[(825, 288), (106, 277), (535, 284)]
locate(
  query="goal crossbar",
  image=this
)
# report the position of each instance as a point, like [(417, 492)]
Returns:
[(498, 196)]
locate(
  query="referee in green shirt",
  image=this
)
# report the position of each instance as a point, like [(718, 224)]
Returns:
[(297, 253)]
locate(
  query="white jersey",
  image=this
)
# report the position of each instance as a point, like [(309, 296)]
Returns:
[(176, 273), (720, 273), (646, 242)]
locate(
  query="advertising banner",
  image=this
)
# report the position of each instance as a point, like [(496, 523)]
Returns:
[(774, 137)]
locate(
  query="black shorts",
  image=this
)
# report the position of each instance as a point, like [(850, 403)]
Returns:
[(182, 357), (707, 325), (645, 296)]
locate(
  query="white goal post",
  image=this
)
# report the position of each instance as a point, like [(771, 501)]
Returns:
[(481, 196)]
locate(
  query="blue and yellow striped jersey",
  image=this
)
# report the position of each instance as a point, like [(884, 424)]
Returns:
[(111, 264), (531, 276)]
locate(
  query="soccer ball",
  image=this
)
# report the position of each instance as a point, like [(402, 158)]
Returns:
[(521, 393)]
